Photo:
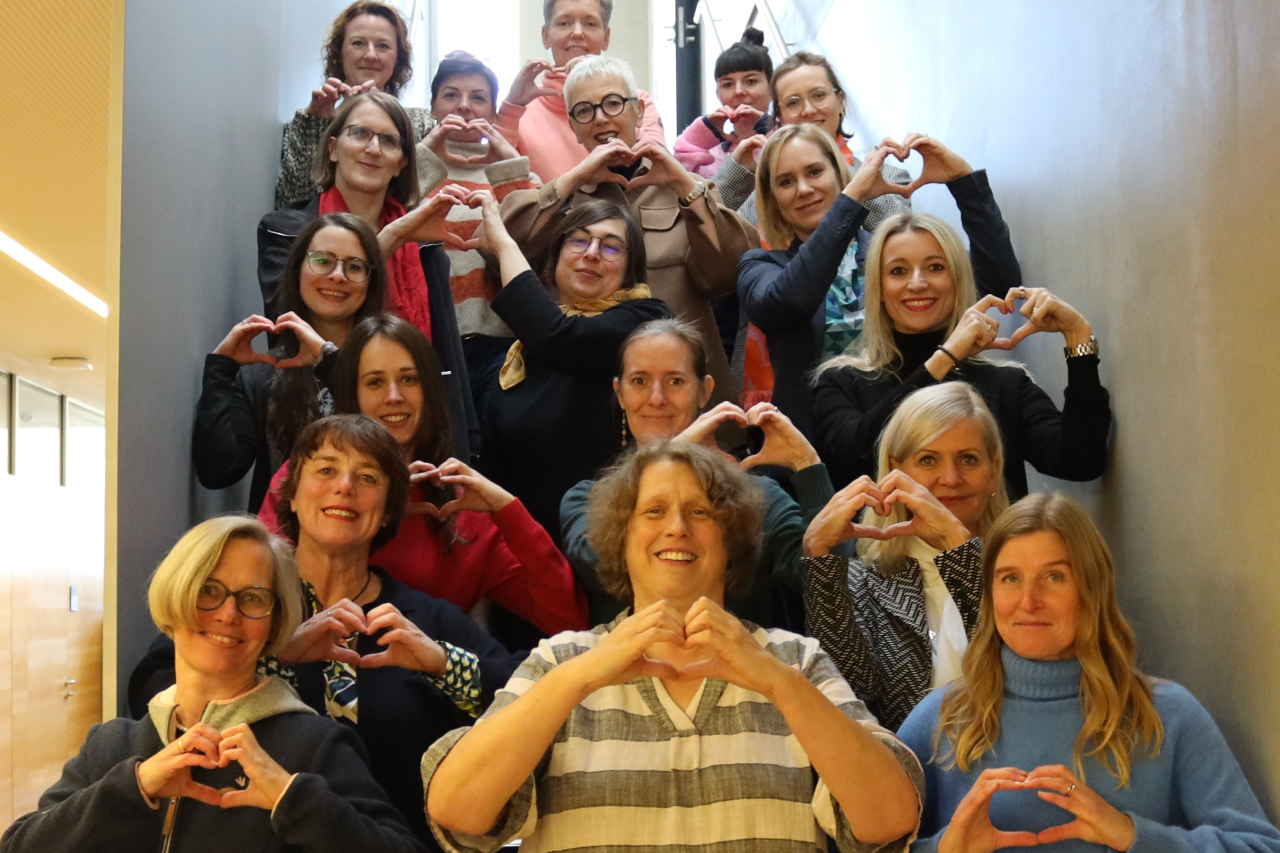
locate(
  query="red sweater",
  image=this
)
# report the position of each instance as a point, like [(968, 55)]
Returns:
[(505, 556)]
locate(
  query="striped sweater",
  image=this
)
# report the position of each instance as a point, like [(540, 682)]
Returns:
[(630, 770)]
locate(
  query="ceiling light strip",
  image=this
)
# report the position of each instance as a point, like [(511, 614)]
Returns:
[(31, 261)]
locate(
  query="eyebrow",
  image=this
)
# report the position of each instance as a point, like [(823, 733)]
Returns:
[(927, 258)]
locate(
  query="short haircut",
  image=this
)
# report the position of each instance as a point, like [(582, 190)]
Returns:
[(332, 51), (362, 435), (799, 59), (774, 227), (580, 217), (674, 327), (746, 54), (736, 499), (590, 67), (459, 63), (175, 584), (549, 11), (404, 186)]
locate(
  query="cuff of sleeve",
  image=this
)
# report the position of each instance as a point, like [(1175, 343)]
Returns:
[(1149, 836), (969, 186), (732, 177), (1083, 370), (813, 486), (287, 786), (311, 124), (699, 133), (548, 197), (511, 110), (431, 169), (222, 365), (507, 171), (154, 805)]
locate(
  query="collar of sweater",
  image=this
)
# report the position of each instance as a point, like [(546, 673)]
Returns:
[(916, 349), (270, 697), (1042, 680)]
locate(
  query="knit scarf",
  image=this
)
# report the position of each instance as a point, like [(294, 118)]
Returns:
[(406, 283), (513, 368)]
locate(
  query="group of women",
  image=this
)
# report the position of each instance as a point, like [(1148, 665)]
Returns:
[(492, 391)]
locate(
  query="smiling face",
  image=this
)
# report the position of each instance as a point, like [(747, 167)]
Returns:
[(593, 274), (464, 95), (576, 29), (659, 389), (805, 184), (333, 297), (369, 49), (366, 167), (675, 547), (957, 470), (225, 645), (1035, 598), (916, 284), (744, 88), (340, 501), (390, 390), (625, 125), (807, 96)]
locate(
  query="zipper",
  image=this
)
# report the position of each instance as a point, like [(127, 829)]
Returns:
[(169, 819)]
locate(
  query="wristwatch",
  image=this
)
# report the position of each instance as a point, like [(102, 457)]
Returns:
[(698, 191), (1089, 348)]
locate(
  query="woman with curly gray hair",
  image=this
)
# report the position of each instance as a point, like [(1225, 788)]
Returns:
[(693, 728)]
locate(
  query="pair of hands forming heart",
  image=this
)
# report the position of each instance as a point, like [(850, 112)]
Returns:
[(664, 170), (527, 87), (743, 118), (168, 772), (837, 521), (472, 490), (455, 127), (978, 331), (941, 165), (783, 443), (324, 99), (323, 637), (238, 344), (1096, 820)]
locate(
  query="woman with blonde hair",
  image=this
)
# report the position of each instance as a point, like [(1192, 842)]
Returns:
[(897, 619), (922, 327), (222, 737), (1053, 734)]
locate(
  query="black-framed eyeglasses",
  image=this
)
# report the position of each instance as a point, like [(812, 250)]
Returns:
[(362, 134), (353, 269), (584, 112), (253, 602)]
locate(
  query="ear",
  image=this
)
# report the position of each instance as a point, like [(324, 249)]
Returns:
[(605, 44), (893, 465), (708, 384), (333, 148), (617, 392), (546, 38), (404, 161)]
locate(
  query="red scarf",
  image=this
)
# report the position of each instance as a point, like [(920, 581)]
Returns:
[(406, 283)]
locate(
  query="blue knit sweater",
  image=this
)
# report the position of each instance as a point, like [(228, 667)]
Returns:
[(1192, 797)]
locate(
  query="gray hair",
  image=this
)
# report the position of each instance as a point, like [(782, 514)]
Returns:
[(600, 66), (549, 10)]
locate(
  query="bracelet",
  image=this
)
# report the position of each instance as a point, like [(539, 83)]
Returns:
[(1088, 348), (698, 191), (955, 362)]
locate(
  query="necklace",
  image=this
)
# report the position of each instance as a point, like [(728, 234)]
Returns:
[(368, 577)]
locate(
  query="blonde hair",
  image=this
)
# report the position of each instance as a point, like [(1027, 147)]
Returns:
[(1115, 697), (921, 418), (774, 227), (876, 348), (177, 580)]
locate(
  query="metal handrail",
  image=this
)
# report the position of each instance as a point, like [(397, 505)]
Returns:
[(705, 14)]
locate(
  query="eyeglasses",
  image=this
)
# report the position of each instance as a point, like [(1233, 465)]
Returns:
[(819, 98), (580, 241), (253, 602), (361, 134), (584, 112), (353, 269)]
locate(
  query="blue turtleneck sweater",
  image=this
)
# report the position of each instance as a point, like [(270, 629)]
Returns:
[(1192, 797)]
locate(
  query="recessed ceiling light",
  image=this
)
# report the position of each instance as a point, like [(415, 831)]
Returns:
[(37, 265), (71, 363)]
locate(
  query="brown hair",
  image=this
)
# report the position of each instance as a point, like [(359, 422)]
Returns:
[(589, 214), (737, 501), (774, 227), (799, 59), (681, 330), (404, 186), (331, 53)]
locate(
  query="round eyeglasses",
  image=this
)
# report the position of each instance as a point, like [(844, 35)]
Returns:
[(323, 263), (580, 241), (584, 112), (253, 602)]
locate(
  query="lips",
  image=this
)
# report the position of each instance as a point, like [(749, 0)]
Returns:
[(342, 513), (676, 556), (395, 419), (919, 303), (221, 639), (332, 294)]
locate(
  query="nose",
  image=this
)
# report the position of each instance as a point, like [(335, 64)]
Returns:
[(802, 186), (593, 249), (339, 271), (657, 396), (345, 483), (393, 392), (1031, 597), (578, 28), (228, 610), (949, 473), (918, 281), (676, 527)]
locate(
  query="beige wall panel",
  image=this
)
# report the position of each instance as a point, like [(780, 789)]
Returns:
[(7, 553)]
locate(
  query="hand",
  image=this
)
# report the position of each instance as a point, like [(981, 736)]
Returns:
[(525, 88), (747, 154), (930, 520), (238, 344), (492, 234), (703, 430), (835, 523), (452, 126), (594, 168), (744, 120), (318, 638), (310, 343), (970, 830), (420, 473), (168, 772), (735, 655), (977, 331), (868, 183), (1047, 313), (324, 99), (1097, 821), (406, 645), (499, 148), (941, 164), (474, 491), (267, 779), (620, 656), (783, 443), (664, 169), (426, 223)]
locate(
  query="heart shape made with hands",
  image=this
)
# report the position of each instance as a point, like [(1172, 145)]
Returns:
[(911, 160), (682, 658), (473, 132)]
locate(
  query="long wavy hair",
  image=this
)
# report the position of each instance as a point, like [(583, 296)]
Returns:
[(331, 53), (1120, 718)]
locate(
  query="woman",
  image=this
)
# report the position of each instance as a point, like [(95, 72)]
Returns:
[(742, 73), (478, 543), (662, 385), (368, 50), (253, 405), (806, 294), (550, 422), (675, 725), (897, 620), (365, 164), (1053, 734), (222, 737), (922, 328)]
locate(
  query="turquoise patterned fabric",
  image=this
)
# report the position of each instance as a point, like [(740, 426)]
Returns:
[(844, 307)]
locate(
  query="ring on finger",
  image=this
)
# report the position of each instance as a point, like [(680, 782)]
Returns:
[(1070, 788), (181, 748)]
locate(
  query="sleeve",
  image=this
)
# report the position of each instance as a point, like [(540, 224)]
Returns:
[(735, 182), (528, 213), (446, 621), (882, 207), (1071, 444), (823, 674), (527, 575), (432, 171), (995, 265), (95, 805), (713, 269), (651, 123), (301, 137), (508, 124), (917, 733), (460, 682), (693, 146), (573, 533), (336, 806), (229, 428), (961, 571), (848, 428), (267, 512), (579, 345), (830, 618), (778, 298), (507, 176), (277, 232), (785, 522)]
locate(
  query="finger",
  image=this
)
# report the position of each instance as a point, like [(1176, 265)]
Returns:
[(648, 668), (869, 531), (386, 620), (203, 794), (1062, 801), (378, 660), (1016, 839), (448, 509), (986, 303), (342, 654), (237, 799), (1019, 335)]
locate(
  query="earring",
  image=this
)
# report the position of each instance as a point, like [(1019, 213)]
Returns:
[(624, 430)]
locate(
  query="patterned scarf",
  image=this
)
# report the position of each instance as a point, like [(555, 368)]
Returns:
[(844, 312), (513, 368), (340, 698)]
